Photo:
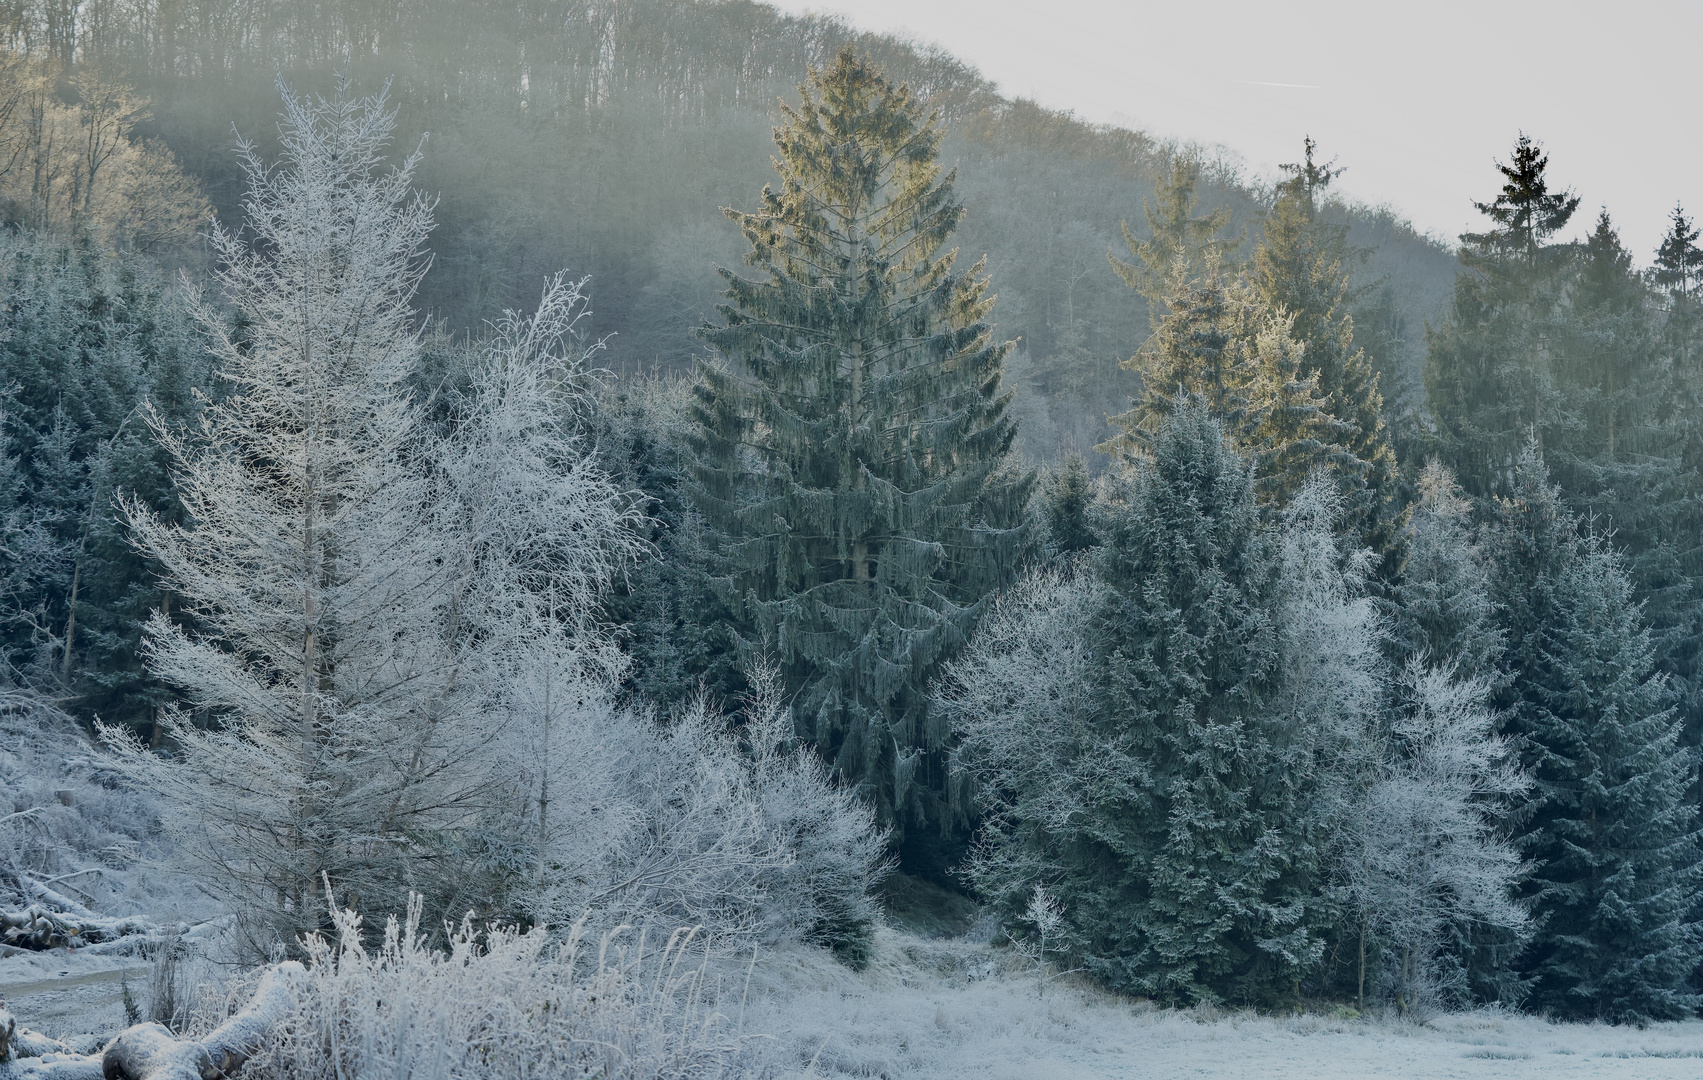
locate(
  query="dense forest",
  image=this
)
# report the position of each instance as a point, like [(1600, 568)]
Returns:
[(675, 460)]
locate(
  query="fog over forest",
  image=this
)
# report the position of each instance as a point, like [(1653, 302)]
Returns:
[(664, 496)]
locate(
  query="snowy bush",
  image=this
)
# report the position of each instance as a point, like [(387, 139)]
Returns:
[(1019, 698), (696, 821)]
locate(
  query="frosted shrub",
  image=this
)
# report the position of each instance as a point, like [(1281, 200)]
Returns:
[(501, 1003), (730, 826), (1020, 699)]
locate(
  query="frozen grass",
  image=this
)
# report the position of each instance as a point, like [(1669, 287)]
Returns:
[(950, 1009), (502, 1004)]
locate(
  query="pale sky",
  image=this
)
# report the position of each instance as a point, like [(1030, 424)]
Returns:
[(1417, 99)]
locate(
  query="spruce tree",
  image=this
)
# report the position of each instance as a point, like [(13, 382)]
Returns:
[(1301, 268), (852, 438), (1614, 837), (1215, 341), (1441, 608), (1678, 273), (1184, 885), (1609, 827), (1178, 234), (1068, 497), (1487, 371)]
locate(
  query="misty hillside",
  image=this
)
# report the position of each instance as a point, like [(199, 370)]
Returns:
[(605, 137)]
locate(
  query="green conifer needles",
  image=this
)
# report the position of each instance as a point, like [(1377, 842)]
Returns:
[(851, 433)]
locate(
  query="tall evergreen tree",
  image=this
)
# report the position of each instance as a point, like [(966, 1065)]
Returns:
[(1184, 889), (1678, 273), (1615, 836), (1610, 828), (1525, 212), (1068, 496), (1301, 267), (852, 438), (1487, 371)]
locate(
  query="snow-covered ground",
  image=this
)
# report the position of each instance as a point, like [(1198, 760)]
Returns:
[(62, 994), (928, 1007), (945, 1010), (950, 1009)]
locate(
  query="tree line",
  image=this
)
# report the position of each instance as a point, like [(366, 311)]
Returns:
[(1295, 695)]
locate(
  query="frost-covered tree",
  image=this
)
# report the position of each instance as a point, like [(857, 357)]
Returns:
[(1425, 857), (852, 437), (1020, 703), (1329, 630), (86, 336), (356, 584), (1609, 826), (1168, 737), (1190, 883), (1441, 604)]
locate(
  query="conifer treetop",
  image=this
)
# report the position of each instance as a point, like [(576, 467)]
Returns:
[(1526, 212), (1179, 235), (1679, 263)]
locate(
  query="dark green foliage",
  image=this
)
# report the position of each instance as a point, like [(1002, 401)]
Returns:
[(87, 341), (675, 624), (852, 434), (1525, 212), (1678, 274), (1613, 837), (1187, 885), (1068, 496), (1610, 830)]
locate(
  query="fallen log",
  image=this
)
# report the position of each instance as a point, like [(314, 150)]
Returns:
[(38, 927), (150, 1051), (30, 1055)]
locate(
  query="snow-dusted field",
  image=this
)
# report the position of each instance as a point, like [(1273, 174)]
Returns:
[(946, 1010), (949, 1009)]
